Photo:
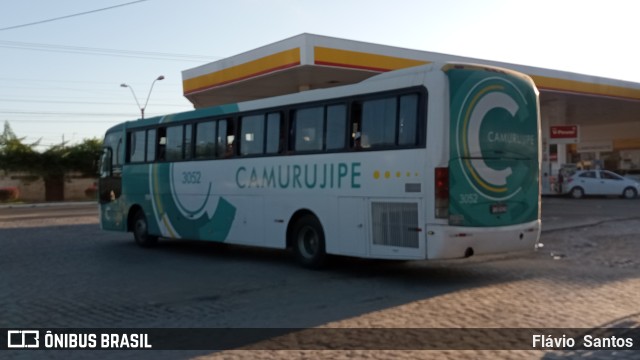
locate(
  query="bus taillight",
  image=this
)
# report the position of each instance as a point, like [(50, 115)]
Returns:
[(442, 192)]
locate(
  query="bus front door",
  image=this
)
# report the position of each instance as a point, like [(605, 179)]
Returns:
[(109, 191)]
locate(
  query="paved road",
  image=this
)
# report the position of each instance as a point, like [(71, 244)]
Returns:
[(62, 271), (562, 213)]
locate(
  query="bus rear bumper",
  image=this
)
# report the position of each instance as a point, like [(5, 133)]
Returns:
[(450, 242)]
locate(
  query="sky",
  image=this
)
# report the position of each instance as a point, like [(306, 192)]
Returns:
[(60, 79)]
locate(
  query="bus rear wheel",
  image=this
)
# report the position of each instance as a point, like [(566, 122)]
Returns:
[(307, 238), (141, 231)]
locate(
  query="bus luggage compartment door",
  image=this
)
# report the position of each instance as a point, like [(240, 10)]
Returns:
[(396, 230)]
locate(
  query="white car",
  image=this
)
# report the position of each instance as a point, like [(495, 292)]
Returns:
[(600, 182)]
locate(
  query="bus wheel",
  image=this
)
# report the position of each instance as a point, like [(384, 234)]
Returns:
[(141, 231), (308, 242)]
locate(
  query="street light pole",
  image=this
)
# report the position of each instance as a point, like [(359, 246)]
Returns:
[(161, 77), (134, 97)]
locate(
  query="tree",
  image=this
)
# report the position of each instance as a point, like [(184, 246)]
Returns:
[(60, 159), (14, 154), (52, 164), (83, 157)]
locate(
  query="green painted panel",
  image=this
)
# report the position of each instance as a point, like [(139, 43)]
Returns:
[(494, 148)]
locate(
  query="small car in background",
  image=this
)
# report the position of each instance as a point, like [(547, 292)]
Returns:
[(600, 182)]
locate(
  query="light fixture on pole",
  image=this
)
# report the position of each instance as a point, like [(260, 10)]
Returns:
[(161, 77)]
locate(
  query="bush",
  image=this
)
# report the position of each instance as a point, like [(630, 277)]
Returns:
[(9, 194)]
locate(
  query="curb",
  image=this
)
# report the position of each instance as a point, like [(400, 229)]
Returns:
[(585, 224), (49, 204)]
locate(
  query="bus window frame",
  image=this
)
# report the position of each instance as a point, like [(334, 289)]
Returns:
[(233, 128)]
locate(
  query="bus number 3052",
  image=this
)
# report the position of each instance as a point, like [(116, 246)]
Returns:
[(468, 198), (191, 177)]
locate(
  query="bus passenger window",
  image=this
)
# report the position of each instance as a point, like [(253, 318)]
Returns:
[(379, 122), (407, 123), (252, 137), (136, 146), (273, 133), (206, 140), (226, 138), (336, 127), (161, 142), (188, 143), (309, 132), (174, 143), (356, 125), (151, 145)]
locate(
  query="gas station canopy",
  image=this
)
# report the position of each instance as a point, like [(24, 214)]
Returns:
[(300, 63), (307, 61)]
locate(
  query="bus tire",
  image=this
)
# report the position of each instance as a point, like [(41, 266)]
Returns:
[(141, 231), (307, 238)]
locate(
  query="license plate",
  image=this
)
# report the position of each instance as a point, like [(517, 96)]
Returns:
[(498, 208)]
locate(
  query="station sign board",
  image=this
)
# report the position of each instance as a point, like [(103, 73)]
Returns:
[(564, 134)]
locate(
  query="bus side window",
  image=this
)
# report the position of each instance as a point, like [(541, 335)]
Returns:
[(136, 146), (356, 125), (273, 133), (162, 144), (252, 135), (226, 138), (379, 122), (206, 140), (336, 127), (309, 129), (188, 141), (408, 120), (175, 143), (151, 145)]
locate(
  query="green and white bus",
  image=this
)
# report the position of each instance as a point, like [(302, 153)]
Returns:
[(432, 162)]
